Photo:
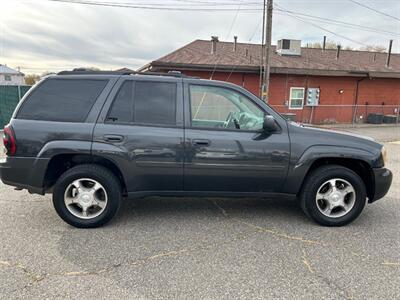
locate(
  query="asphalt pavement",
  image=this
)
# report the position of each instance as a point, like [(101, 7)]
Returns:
[(196, 248)]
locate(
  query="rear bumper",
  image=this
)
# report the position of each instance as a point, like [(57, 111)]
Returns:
[(383, 180), (24, 172)]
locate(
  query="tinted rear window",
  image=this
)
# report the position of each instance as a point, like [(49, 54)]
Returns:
[(152, 103), (155, 103), (121, 110), (63, 100)]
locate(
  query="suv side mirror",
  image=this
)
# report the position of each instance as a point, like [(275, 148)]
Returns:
[(269, 124)]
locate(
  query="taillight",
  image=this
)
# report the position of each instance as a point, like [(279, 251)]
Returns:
[(9, 140)]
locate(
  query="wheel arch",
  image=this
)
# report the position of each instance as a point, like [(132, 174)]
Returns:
[(60, 163), (359, 166), (358, 160)]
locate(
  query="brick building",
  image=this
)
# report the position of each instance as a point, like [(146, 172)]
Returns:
[(343, 78)]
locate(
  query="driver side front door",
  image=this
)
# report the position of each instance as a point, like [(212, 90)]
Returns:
[(220, 157)]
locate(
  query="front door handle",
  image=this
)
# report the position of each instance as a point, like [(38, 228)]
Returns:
[(201, 142), (113, 138)]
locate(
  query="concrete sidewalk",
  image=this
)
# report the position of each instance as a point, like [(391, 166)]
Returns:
[(381, 133)]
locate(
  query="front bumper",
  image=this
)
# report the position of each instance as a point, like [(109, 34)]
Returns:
[(24, 172), (383, 180)]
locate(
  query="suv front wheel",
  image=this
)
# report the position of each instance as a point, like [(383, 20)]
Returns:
[(87, 196), (333, 195)]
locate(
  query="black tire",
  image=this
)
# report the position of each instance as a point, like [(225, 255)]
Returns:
[(105, 177), (318, 177)]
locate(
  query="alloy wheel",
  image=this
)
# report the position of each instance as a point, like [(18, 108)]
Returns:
[(335, 198), (85, 198)]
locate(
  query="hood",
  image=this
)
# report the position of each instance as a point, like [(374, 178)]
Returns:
[(340, 132), (318, 136)]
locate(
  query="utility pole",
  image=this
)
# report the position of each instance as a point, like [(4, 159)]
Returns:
[(268, 33), (262, 50)]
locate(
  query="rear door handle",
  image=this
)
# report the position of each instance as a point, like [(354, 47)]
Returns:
[(201, 142), (113, 138)]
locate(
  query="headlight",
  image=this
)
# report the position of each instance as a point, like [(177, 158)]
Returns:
[(384, 155)]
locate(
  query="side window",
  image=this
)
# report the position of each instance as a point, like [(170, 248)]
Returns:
[(155, 103), (296, 98), (62, 100), (122, 107), (145, 102), (215, 107)]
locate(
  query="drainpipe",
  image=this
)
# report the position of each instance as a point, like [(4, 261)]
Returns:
[(356, 97)]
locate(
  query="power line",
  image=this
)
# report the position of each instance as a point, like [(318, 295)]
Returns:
[(247, 7), (154, 7), (324, 29), (229, 32), (327, 30), (248, 43), (374, 10), (340, 23), (242, 7)]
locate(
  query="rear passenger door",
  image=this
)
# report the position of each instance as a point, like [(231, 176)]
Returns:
[(141, 130)]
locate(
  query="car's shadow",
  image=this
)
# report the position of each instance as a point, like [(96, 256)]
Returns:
[(154, 226), (159, 207)]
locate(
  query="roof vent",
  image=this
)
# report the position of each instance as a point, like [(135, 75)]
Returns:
[(338, 51), (289, 47), (214, 40), (389, 54)]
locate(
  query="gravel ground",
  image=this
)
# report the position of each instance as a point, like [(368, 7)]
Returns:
[(158, 248)]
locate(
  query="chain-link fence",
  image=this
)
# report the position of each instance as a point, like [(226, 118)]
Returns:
[(318, 115), (9, 98), (350, 114)]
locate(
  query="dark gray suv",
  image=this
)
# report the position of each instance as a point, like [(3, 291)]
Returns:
[(94, 138)]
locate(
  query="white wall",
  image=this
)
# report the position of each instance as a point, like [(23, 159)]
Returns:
[(16, 79)]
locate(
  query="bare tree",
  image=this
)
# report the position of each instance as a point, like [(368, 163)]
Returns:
[(374, 48), (328, 45), (333, 45), (31, 79)]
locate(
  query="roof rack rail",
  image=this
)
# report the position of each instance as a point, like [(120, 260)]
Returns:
[(90, 73), (82, 71), (170, 73)]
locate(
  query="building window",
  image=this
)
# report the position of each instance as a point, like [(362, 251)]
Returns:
[(296, 98), (7, 77)]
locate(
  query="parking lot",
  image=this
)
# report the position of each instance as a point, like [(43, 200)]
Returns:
[(158, 248)]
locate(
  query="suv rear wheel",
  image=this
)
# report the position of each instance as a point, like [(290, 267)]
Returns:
[(87, 196), (333, 195)]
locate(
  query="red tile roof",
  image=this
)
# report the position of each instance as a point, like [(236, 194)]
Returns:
[(197, 56)]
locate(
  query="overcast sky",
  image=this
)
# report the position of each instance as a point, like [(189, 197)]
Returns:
[(41, 35)]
